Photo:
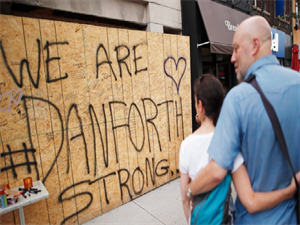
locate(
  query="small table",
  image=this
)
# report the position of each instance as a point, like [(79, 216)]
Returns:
[(26, 201)]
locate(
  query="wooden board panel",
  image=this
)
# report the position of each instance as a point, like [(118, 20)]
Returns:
[(176, 68), (100, 85), (186, 104), (141, 96), (7, 218), (171, 91), (161, 109), (100, 110), (13, 82), (53, 161), (129, 158), (42, 118)]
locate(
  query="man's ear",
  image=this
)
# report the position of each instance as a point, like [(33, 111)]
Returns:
[(256, 46)]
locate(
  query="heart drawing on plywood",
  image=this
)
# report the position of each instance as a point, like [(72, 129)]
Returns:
[(176, 64), (6, 97)]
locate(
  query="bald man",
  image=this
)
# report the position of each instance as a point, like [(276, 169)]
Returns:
[(244, 125)]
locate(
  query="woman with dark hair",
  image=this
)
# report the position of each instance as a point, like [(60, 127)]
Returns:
[(193, 157)]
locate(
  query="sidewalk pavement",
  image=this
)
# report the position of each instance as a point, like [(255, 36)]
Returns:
[(161, 206)]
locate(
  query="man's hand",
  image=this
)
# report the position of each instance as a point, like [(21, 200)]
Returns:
[(293, 187), (211, 176)]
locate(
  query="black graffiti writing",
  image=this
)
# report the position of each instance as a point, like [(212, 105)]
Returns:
[(152, 175), (103, 62), (30, 140), (14, 166), (124, 183), (35, 83), (115, 127), (165, 168), (150, 120), (136, 59), (125, 177), (53, 58), (120, 60), (104, 151), (61, 199), (95, 122), (61, 126), (160, 170), (104, 184), (133, 187), (127, 125), (23, 61), (179, 115), (143, 130), (74, 106)]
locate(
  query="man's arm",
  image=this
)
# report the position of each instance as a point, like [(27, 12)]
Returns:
[(258, 201), (208, 178)]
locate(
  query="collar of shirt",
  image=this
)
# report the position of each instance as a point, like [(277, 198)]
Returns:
[(270, 59)]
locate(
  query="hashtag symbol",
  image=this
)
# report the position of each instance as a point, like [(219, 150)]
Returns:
[(13, 166)]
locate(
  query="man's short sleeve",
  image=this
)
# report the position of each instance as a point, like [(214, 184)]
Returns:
[(226, 141)]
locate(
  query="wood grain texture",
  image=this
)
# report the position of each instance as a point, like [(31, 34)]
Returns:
[(98, 114)]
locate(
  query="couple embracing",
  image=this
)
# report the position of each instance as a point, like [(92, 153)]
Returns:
[(236, 139)]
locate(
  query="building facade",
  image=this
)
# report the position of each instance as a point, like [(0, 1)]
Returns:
[(162, 16)]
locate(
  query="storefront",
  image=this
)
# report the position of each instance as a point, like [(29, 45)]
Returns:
[(220, 24), (278, 43), (281, 47), (211, 27)]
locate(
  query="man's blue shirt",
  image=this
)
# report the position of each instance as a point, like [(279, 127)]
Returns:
[(244, 126)]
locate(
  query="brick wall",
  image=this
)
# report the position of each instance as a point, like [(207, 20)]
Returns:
[(281, 24)]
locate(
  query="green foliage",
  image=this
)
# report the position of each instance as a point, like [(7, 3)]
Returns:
[(291, 15)]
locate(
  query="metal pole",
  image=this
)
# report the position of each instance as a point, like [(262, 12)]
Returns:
[(21, 215)]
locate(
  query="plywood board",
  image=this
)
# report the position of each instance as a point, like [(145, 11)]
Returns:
[(99, 114), (160, 108)]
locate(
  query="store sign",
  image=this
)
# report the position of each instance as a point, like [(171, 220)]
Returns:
[(275, 42), (278, 43), (230, 26)]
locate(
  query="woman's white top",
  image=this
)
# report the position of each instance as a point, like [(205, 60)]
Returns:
[(193, 156)]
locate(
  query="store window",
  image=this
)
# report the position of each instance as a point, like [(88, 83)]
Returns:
[(220, 66), (287, 10), (225, 72), (283, 9), (262, 4)]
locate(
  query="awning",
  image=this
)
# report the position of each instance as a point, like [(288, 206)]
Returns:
[(220, 22)]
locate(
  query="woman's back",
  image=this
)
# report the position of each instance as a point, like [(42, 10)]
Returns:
[(193, 155)]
